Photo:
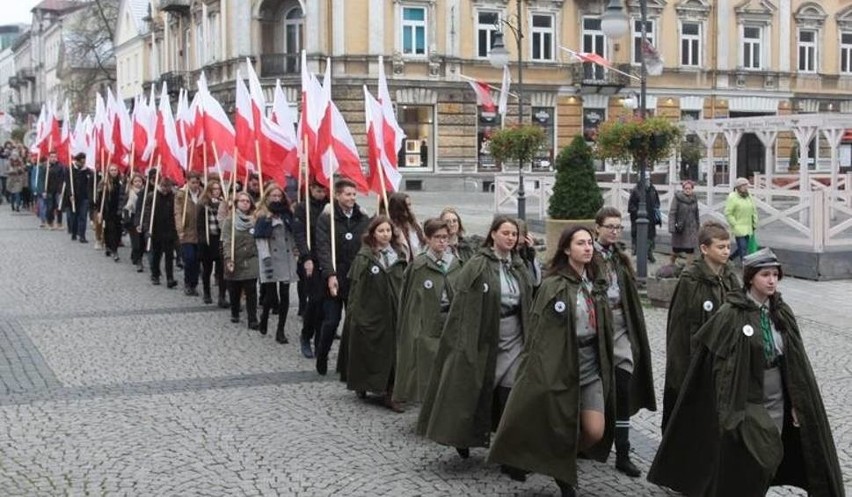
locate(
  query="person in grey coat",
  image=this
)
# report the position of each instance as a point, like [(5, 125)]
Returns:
[(684, 222), (276, 252), (240, 256)]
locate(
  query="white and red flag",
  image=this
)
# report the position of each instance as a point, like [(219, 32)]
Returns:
[(380, 167), (483, 96), (313, 111), (63, 148), (245, 133), (219, 132), (144, 125), (393, 133), (171, 155), (503, 104)]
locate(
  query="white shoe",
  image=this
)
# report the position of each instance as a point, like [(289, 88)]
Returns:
[(99, 246)]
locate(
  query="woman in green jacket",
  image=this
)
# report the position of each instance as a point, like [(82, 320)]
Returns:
[(375, 278), (240, 255), (480, 346), (699, 293), (741, 214), (425, 301), (749, 415)]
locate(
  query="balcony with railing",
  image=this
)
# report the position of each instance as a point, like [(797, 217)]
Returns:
[(176, 6), (26, 73), (174, 80), (279, 64), (15, 82), (593, 78)]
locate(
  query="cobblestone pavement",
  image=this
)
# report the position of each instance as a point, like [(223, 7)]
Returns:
[(110, 386)]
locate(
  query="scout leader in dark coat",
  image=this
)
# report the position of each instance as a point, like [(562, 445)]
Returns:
[(699, 293), (312, 282), (79, 199), (424, 303), (634, 381), (564, 398), (162, 233), (480, 346), (375, 279), (750, 414), (349, 225), (111, 196)]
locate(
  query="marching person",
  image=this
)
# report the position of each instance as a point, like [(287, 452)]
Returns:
[(55, 178), (741, 214), (424, 304), (132, 215), (78, 203), (309, 274), (186, 210), (162, 233), (480, 347), (209, 248), (750, 414), (276, 252), (112, 191), (634, 382), (375, 278), (462, 247), (349, 225), (700, 292), (408, 231), (684, 222), (563, 400), (15, 180), (240, 255)]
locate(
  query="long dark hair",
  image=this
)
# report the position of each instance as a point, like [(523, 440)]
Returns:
[(400, 214), (561, 260), (774, 300), (498, 221), (369, 238)]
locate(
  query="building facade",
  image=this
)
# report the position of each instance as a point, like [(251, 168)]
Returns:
[(721, 58)]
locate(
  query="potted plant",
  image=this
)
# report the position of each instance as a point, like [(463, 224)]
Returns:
[(517, 143), (634, 140), (576, 196)]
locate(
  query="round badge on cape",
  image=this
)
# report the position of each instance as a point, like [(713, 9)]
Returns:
[(708, 305), (375, 270), (348, 236), (427, 284), (485, 288), (748, 330), (559, 306)]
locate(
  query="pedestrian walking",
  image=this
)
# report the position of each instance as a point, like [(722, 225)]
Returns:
[(750, 414), (209, 242), (78, 200), (240, 255), (305, 215), (162, 232), (186, 209), (132, 220), (463, 247), (15, 180), (684, 223), (741, 214), (110, 201)]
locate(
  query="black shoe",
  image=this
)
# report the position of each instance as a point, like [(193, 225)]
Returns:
[(626, 466), (223, 303), (140, 268), (513, 473), (83, 240), (208, 299), (73, 237), (155, 280), (252, 325), (322, 365), (651, 258), (281, 338), (171, 283), (235, 319), (463, 453), (566, 489), (116, 258), (107, 253), (307, 352)]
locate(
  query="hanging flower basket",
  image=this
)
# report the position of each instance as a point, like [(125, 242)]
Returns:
[(633, 140)]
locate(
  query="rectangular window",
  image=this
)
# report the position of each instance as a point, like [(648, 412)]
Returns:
[(752, 47), (846, 53), (487, 23), (637, 38), (594, 41), (542, 37), (690, 44), (807, 50), (200, 56), (414, 31), (213, 42)]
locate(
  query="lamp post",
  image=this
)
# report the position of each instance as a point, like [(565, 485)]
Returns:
[(499, 58), (615, 23)]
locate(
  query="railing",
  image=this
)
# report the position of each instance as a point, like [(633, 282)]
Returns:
[(809, 219), (174, 80), (279, 64), (174, 5)]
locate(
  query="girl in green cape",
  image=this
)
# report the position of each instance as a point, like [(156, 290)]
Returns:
[(699, 293), (480, 346), (463, 247), (563, 401), (375, 279), (425, 301), (749, 415)]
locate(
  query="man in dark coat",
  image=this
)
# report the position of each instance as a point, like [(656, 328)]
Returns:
[(722, 440), (55, 180), (312, 283), (348, 224), (162, 233), (78, 198), (652, 202)]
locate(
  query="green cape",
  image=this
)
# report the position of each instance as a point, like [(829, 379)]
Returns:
[(720, 440), (370, 323), (420, 325), (688, 311), (456, 410), (539, 428), (642, 380)]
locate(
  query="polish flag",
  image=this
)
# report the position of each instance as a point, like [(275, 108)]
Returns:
[(313, 110), (592, 58), (121, 131), (483, 96), (245, 134), (284, 116), (195, 123), (63, 148), (219, 133), (393, 133), (55, 133), (144, 126), (40, 133), (503, 105), (169, 151), (375, 146), (102, 146)]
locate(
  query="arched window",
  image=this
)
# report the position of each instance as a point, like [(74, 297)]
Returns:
[(294, 25)]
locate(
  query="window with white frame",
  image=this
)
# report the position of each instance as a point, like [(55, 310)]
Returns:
[(487, 23), (414, 31), (807, 50), (594, 41), (690, 44), (637, 38), (752, 47), (542, 37), (846, 53), (213, 34)]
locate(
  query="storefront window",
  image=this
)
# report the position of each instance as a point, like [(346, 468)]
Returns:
[(487, 124), (543, 116), (592, 118), (418, 150)]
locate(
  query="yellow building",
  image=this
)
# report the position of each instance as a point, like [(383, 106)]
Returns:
[(721, 58)]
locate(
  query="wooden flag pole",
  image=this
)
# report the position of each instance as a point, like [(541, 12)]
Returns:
[(154, 202), (307, 182), (61, 199), (218, 167), (259, 167), (233, 222), (73, 199), (381, 169), (47, 166), (185, 199), (331, 214), (132, 166), (104, 178)]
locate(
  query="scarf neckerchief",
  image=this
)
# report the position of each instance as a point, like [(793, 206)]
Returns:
[(586, 289), (769, 351), (243, 222)]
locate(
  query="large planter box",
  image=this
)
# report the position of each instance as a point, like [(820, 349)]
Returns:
[(660, 291), (553, 229)]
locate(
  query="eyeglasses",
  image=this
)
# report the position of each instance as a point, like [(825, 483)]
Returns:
[(613, 227)]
